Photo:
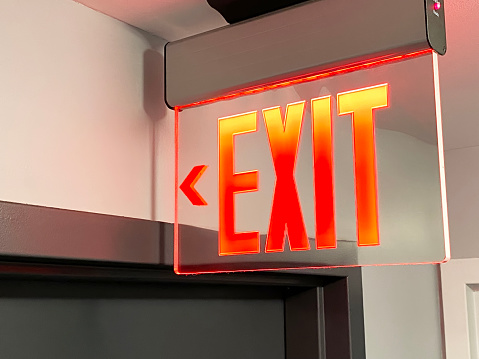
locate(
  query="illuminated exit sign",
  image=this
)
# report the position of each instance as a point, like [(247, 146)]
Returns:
[(337, 169)]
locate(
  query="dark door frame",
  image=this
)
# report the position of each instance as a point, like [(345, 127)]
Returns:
[(323, 315)]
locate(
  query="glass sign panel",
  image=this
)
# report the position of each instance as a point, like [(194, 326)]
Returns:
[(337, 169)]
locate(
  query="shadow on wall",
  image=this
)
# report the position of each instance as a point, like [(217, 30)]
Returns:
[(155, 108), (153, 80)]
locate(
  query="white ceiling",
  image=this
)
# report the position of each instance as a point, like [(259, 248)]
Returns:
[(169, 19)]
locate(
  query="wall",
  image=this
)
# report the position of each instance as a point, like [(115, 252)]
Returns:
[(460, 90), (402, 312), (402, 303), (81, 112)]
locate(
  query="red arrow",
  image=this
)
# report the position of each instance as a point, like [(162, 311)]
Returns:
[(188, 186)]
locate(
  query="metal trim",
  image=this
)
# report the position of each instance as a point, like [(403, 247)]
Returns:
[(35, 231)]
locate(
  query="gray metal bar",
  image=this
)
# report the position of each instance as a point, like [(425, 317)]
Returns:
[(34, 231)]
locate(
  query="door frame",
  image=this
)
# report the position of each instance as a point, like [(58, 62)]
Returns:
[(38, 259)]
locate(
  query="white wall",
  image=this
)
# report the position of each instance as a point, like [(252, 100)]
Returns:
[(401, 303), (459, 73), (74, 127), (402, 312)]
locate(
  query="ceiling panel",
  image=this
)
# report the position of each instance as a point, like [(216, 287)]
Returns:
[(169, 19)]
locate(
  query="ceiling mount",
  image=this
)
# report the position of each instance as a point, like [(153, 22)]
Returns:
[(235, 11)]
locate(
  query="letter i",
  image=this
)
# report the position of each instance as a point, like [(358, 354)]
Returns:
[(323, 172)]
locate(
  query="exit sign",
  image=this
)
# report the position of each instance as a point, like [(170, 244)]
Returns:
[(336, 169)]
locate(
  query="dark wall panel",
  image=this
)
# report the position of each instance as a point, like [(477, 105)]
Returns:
[(141, 328)]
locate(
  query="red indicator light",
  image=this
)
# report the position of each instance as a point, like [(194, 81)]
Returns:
[(437, 6)]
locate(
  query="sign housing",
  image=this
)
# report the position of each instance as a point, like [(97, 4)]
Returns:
[(299, 41)]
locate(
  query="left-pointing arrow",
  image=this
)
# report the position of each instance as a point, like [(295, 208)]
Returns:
[(188, 185)]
